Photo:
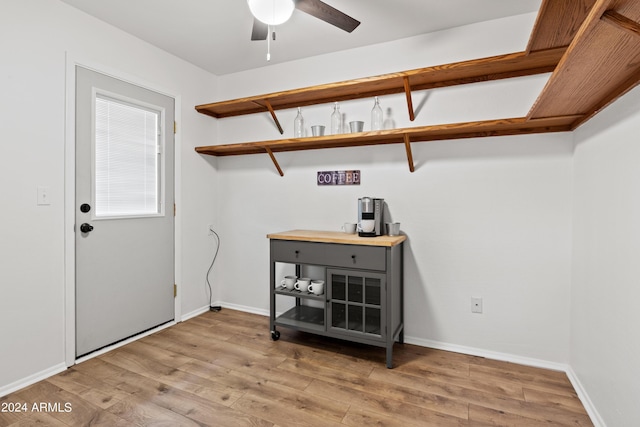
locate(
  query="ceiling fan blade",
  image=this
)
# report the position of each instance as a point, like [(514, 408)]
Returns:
[(328, 14), (259, 31)]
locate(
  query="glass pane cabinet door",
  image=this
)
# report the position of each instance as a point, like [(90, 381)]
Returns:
[(338, 315), (356, 302)]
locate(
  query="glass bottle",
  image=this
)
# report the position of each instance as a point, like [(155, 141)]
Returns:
[(376, 116), (336, 120), (298, 125), (389, 123), (345, 125)]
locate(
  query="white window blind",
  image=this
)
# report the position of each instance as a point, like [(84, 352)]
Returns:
[(126, 159)]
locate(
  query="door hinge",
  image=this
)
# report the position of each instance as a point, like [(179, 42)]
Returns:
[(175, 290), (175, 127), (174, 209)]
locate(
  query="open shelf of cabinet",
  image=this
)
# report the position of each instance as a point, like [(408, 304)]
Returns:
[(298, 294), (304, 318)]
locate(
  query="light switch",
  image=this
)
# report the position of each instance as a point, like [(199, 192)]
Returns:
[(43, 195)]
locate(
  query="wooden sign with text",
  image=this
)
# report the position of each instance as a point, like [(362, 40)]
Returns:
[(339, 178)]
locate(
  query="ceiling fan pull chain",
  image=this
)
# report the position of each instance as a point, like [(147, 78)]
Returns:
[(268, 43)]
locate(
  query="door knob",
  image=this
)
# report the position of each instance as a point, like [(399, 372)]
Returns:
[(86, 228)]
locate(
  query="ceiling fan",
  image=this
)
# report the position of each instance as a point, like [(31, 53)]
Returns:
[(268, 13)]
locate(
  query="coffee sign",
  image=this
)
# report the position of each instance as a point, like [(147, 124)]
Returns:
[(339, 178)]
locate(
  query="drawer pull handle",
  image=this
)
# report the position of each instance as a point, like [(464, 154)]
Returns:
[(297, 253), (353, 257)]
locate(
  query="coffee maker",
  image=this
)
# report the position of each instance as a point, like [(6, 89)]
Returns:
[(370, 222)]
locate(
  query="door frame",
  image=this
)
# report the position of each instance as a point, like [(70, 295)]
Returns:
[(70, 204)]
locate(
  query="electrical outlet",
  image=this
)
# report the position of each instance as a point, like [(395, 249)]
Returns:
[(43, 195), (476, 305)]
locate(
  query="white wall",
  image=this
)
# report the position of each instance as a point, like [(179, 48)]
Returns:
[(605, 349), (484, 217), (35, 36)]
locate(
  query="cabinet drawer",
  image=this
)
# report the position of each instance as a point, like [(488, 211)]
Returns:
[(335, 255), (297, 252), (354, 256)]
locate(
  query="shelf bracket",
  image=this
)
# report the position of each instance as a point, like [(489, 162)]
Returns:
[(407, 146), (273, 159), (621, 21), (273, 115), (407, 91)]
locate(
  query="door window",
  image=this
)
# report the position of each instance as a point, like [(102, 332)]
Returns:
[(127, 164)]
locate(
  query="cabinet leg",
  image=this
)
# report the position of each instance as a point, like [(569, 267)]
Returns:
[(390, 356), (401, 336)]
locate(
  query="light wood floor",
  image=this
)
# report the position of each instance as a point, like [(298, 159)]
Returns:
[(223, 369)]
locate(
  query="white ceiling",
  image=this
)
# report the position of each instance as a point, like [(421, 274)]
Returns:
[(215, 34)]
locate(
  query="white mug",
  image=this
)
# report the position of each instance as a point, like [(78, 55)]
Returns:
[(302, 284), (289, 282), (316, 287), (367, 225), (349, 227)]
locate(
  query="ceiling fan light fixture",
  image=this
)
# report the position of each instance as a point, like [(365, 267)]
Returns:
[(271, 12)]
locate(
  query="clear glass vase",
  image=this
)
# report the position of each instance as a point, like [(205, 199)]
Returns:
[(336, 120), (298, 125), (376, 116), (389, 123)]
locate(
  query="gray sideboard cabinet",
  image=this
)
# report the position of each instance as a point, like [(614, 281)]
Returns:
[(363, 298)]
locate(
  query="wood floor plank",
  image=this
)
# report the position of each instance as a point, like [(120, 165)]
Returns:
[(141, 412), (479, 415), (374, 403), (536, 411), (357, 416), (448, 386), (385, 391), (298, 349), (88, 388), (522, 371), (281, 413), (174, 378), (305, 402), (554, 384), (223, 369), (38, 419), (433, 359), (562, 401)]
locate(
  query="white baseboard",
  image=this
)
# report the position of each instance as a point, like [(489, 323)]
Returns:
[(494, 355), (245, 309), (194, 313), (32, 379), (596, 419)]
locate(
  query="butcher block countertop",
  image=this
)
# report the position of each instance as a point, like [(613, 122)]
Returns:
[(337, 237)]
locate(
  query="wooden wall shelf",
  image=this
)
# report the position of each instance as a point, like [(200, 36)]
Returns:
[(477, 70), (514, 126), (601, 63)]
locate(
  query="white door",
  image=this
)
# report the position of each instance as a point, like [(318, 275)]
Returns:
[(124, 221)]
